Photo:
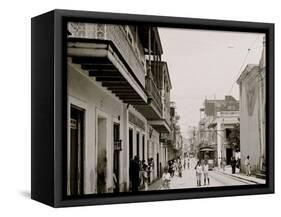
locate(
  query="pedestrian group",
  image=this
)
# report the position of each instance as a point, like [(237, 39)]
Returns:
[(202, 170)]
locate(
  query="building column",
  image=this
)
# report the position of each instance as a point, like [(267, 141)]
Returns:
[(219, 142), (125, 151)]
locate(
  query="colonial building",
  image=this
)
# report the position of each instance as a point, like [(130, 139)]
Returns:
[(252, 113), (118, 104), (218, 119), (174, 140)]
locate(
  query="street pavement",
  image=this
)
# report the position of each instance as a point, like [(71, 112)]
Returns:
[(228, 171), (188, 180)]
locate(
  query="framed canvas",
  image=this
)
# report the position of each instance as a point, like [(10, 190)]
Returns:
[(132, 108)]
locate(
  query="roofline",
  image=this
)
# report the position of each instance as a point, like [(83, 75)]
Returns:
[(247, 69)]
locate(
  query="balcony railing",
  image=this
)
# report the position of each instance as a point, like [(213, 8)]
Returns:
[(229, 113), (117, 35), (153, 93), (166, 109)]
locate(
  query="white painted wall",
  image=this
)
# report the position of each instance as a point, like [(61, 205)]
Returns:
[(249, 132), (98, 103)]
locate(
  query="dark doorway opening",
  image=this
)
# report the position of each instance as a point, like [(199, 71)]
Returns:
[(158, 165), (76, 151), (130, 144), (116, 157), (143, 147), (138, 144), (229, 154)]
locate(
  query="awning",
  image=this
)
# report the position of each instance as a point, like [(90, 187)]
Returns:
[(206, 149)]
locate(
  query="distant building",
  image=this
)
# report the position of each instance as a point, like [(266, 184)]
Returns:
[(174, 139), (218, 119), (186, 146), (252, 113)]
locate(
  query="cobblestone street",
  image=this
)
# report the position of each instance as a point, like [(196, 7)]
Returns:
[(217, 178)]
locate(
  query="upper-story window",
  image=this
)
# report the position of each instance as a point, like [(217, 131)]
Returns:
[(130, 33)]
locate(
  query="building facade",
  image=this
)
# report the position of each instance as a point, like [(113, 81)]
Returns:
[(174, 140), (253, 116), (118, 105), (218, 119)]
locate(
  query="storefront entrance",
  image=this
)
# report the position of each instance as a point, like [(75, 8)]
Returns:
[(138, 144), (116, 156), (76, 150), (131, 144), (102, 155), (229, 154), (158, 165)]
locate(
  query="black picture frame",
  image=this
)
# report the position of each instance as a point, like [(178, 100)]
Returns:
[(49, 97)]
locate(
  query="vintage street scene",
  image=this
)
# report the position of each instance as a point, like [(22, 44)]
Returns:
[(153, 108)]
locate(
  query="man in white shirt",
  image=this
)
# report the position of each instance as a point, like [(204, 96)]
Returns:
[(166, 179), (206, 173)]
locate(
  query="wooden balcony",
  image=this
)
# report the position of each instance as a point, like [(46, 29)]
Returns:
[(153, 109), (158, 98), (117, 35), (105, 53)]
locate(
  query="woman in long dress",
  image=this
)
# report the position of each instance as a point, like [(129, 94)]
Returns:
[(199, 171)]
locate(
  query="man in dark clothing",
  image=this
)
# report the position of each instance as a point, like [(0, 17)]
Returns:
[(134, 173), (233, 164)]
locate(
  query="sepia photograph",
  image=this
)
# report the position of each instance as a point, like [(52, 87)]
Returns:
[(157, 109)]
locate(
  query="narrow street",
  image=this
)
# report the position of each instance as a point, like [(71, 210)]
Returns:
[(188, 180), (125, 122)]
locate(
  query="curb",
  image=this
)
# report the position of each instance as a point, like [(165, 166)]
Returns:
[(238, 177)]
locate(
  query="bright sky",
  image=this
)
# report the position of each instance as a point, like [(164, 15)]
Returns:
[(205, 63)]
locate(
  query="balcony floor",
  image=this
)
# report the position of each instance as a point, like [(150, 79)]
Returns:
[(103, 62), (160, 125)]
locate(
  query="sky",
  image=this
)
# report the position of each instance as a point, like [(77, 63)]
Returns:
[(205, 64)]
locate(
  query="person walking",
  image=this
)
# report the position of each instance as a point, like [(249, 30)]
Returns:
[(166, 179), (170, 168), (198, 169), (149, 169), (180, 169), (115, 183), (238, 164), (206, 173), (145, 177), (233, 164), (143, 173), (248, 166), (174, 168)]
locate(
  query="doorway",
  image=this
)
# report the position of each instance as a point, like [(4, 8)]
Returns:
[(102, 155), (130, 144), (158, 165), (138, 144), (229, 154), (76, 150), (116, 157), (143, 147)]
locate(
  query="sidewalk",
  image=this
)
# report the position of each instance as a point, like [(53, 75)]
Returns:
[(155, 185), (242, 176)]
